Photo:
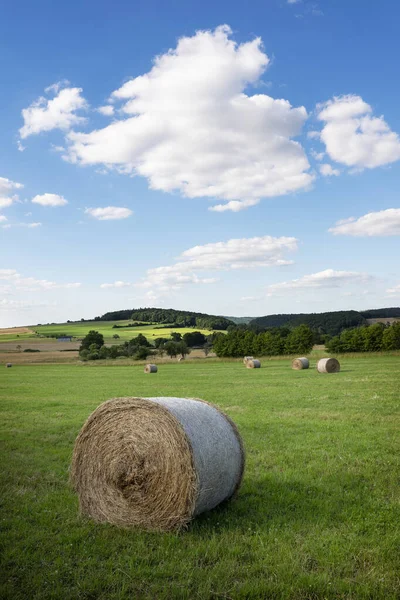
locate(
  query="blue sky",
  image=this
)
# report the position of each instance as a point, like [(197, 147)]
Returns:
[(196, 155)]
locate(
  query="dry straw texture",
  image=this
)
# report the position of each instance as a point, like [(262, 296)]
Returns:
[(253, 364), (300, 363), (246, 359), (328, 365), (150, 368), (155, 463)]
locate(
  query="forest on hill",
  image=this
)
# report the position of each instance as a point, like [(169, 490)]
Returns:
[(170, 317)]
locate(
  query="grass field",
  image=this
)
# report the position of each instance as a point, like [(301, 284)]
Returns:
[(317, 516), (79, 330)]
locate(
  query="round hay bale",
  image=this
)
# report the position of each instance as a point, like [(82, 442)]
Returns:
[(247, 358), (8, 365), (150, 368), (300, 363), (253, 364), (328, 365), (155, 463)]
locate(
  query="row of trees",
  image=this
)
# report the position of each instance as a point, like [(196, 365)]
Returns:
[(371, 338), (280, 340), (331, 323), (169, 316)]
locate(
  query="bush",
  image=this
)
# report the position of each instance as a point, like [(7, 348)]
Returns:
[(31, 350)]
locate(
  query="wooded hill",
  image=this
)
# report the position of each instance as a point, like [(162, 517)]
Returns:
[(331, 323), (169, 316)]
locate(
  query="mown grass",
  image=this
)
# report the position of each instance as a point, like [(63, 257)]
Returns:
[(317, 516)]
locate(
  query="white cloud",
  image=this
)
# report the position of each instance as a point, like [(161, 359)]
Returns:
[(191, 127), (327, 170), (11, 305), (317, 155), (109, 213), (49, 200), (234, 205), (246, 253), (394, 291), (6, 188), (324, 279), (381, 223), (56, 113), (116, 284), (355, 138), (2, 218), (293, 1), (107, 110), (31, 283), (33, 225)]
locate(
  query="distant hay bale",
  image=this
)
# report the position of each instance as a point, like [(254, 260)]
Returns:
[(328, 365), (8, 365), (300, 363), (155, 463), (247, 358), (150, 368), (253, 364)]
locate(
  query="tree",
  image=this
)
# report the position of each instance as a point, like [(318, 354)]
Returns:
[(175, 336), (194, 338), (142, 353), (182, 348), (299, 340), (116, 336), (93, 337), (141, 340), (158, 342), (207, 348), (391, 337), (171, 349)]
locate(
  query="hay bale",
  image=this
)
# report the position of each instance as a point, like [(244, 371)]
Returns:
[(300, 363), (247, 358), (155, 463), (150, 368), (253, 364), (8, 365), (328, 365)]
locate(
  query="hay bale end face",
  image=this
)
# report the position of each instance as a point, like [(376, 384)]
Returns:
[(155, 463), (8, 365), (300, 363), (328, 365), (150, 368), (253, 364), (246, 359)]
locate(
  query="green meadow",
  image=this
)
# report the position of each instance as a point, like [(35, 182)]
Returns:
[(317, 516)]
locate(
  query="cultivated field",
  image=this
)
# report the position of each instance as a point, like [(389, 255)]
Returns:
[(317, 516), (79, 330)]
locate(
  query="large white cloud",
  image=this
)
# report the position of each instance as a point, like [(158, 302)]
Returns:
[(323, 279), (7, 187), (381, 223), (354, 137), (116, 284), (109, 213), (191, 127), (56, 113), (49, 200), (246, 253)]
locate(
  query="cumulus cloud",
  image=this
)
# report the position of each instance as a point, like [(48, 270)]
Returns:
[(116, 284), (7, 187), (324, 279), (49, 200), (246, 253), (45, 114), (394, 291), (381, 223), (2, 218), (190, 127), (327, 170), (33, 225), (31, 283), (354, 137), (109, 213), (107, 110)]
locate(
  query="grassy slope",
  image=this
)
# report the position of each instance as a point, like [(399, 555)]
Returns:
[(317, 516), (104, 327)]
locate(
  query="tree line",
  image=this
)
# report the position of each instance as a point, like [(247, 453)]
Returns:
[(169, 316), (274, 342), (369, 338)]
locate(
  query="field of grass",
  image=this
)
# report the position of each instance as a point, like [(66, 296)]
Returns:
[(317, 516), (104, 327)]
